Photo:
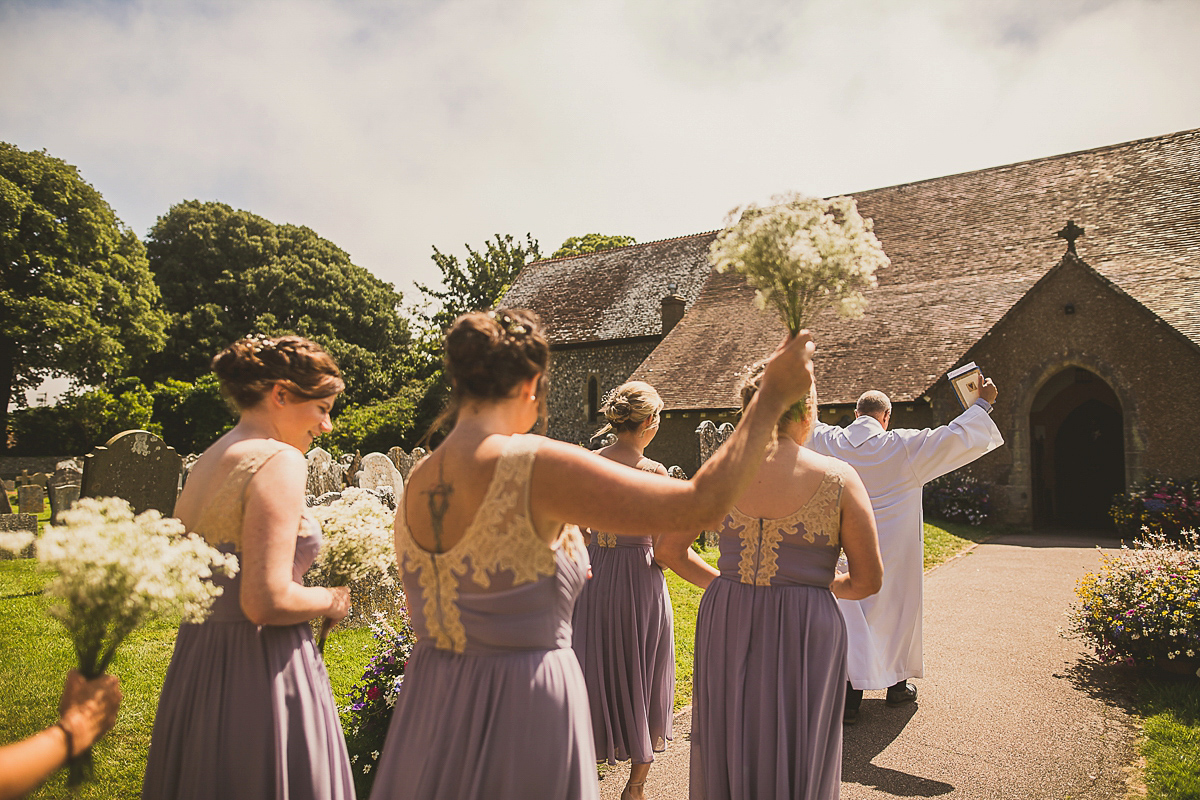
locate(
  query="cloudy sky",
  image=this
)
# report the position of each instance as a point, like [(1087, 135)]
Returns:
[(391, 127)]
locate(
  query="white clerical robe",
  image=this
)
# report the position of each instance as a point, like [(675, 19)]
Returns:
[(884, 630)]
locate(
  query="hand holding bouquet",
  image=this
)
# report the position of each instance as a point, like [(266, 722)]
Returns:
[(357, 529), (114, 571)]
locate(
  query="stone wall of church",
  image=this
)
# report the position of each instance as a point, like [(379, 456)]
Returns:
[(610, 363), (1075, 319)]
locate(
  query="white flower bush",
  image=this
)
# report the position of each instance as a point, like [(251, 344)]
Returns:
[(116, 570), (802, 254), (357, 529)]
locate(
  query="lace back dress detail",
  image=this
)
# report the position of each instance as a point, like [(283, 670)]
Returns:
[(819, 518), (500, 541), (221, 521)]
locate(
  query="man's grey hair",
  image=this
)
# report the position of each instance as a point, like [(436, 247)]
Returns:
[(874, 403)]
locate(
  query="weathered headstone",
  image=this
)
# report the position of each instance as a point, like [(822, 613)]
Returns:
[(408, 461), (65, 472), (10, 486), (377, 471), (395, 454), (31, 499), (189, 461), (5, 506), (677, 472), (62, 497), (323, 474), (353, 468), (136, 466), (18, 523)]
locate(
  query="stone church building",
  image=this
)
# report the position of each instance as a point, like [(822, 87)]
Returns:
[(1073, 281)]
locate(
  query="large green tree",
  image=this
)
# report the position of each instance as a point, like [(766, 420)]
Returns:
[(591, 243), (476, 283), (76, 296), (226, 273)]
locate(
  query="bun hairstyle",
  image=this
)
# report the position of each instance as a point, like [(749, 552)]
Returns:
[(487, 354), (628, 406), (805, 415), (249, 367)]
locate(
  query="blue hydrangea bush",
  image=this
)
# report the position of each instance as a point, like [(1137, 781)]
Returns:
[(365, 718), (957, 498), (1143, 606)]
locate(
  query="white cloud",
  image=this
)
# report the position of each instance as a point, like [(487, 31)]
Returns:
[(389, 128)]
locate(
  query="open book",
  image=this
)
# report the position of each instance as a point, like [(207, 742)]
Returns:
[(966, 381)]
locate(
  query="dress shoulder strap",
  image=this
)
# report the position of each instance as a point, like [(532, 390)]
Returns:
[(221, 521)]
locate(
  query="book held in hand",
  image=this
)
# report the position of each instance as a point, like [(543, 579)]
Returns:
[(966, 381)]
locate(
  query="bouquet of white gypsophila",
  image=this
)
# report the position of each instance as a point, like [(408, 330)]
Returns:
[(113, 571), (802, 254), (357, 533)]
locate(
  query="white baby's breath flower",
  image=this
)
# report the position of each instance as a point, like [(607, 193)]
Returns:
[(802, 254), (357, 529), (15, 542)]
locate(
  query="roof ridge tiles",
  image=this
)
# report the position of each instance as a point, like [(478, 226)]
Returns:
[(626, 247)]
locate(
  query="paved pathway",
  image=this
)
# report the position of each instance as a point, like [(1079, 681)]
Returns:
[(1007, 709)]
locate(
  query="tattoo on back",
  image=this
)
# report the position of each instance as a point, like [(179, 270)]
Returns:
[(439, 504)]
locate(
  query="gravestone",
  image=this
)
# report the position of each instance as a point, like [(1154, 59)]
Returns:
[(395, 454), (5, 506), (677, 472), (40, 478), (136, 466), (31, 499), (406, 461), (62, 497), (324, 475), (189, 461), (710, 437), (65, 472), (378, 471), (18, 523), (353, 468)]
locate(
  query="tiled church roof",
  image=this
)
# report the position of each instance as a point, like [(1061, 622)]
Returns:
[(964, 249), (613, 294)]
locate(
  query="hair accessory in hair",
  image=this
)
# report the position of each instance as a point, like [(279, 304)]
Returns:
[(259, 342), (510, 325)]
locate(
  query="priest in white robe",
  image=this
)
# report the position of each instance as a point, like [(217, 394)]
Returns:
[(884, 630)]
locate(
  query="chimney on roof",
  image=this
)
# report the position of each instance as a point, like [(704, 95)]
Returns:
[(672, 309)]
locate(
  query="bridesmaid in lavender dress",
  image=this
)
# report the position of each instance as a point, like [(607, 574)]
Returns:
[(493, 703), (770, 672), (624, 631), (246, 709)]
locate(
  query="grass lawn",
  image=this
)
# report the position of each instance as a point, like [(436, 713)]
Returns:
[(35, 655), (1170, 710)]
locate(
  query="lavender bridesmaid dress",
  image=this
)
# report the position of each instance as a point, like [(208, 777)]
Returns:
[(493, 703), (770, 669), (624, 638), (246, 710)]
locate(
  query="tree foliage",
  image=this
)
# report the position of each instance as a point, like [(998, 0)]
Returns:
[(591, 243), (76, 295), (191, 415), (226, 273), (478, 282), (82, 421)]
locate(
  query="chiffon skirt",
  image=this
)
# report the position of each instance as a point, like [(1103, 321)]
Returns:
[(624, 638), (247, 712), (496, 726), (769, 687)]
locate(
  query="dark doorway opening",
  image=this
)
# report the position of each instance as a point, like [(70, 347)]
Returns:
[(1078, 450)]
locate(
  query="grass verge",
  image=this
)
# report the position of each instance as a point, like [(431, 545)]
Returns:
[(35, 655), (1170, 712)]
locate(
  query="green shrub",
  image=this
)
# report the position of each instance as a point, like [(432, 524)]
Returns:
[(956, 498), (376, 427), (192, 415), (82, 421)]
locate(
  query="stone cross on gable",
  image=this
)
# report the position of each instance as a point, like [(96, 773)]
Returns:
[(1070, 232)]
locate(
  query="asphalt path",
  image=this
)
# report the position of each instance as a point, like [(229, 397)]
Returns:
[(1008, 708)]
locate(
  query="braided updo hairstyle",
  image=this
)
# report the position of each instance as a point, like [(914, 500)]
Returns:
[(487, 354), (628, 406), (805, 415), (250, 367)]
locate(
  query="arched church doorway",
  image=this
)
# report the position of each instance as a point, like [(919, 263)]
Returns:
[(1078, 458)]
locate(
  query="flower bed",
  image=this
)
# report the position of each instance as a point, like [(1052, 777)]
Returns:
[(1143, 606), (366, 717), (956, 498), (1161, 505)]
